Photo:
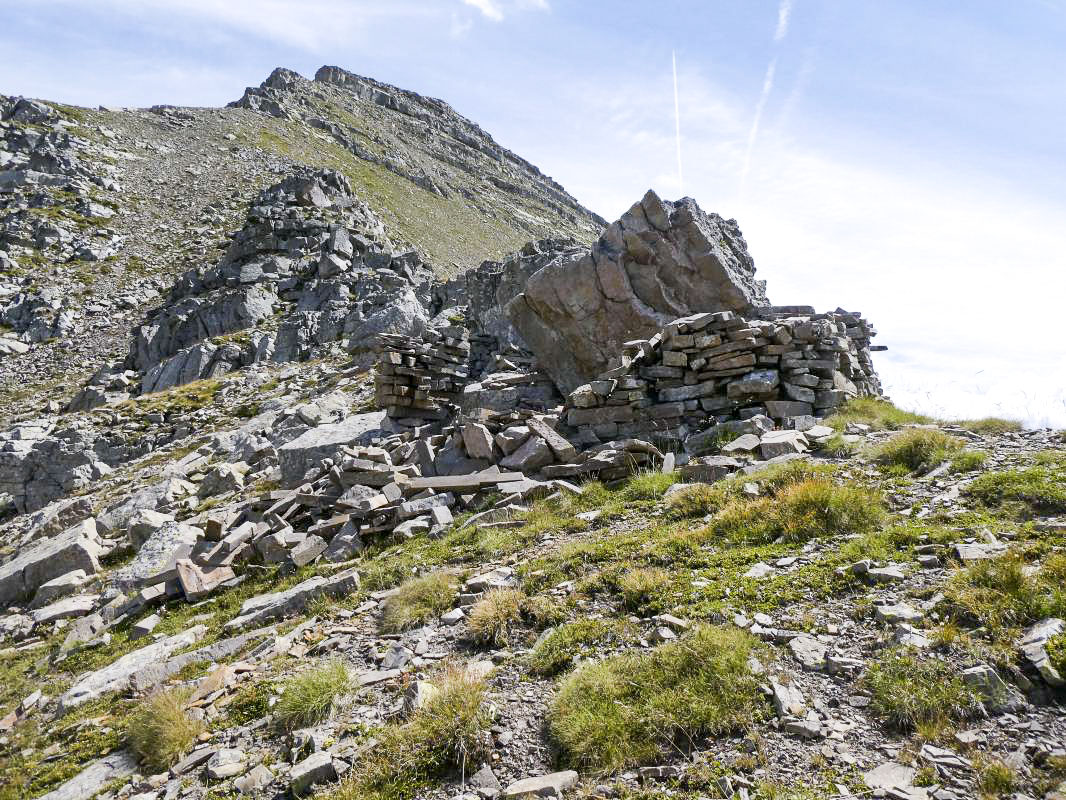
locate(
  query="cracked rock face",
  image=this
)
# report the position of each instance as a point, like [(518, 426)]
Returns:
[(658, 262)]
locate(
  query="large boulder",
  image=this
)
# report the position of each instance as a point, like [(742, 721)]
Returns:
[(310, 448), (660, 261), (77, 548)]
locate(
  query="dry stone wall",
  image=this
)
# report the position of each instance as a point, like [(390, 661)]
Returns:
[(707, 368)]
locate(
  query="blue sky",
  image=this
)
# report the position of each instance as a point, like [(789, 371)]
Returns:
[(901, 158)]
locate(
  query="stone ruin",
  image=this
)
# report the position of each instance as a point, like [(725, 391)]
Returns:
[(658, 333)]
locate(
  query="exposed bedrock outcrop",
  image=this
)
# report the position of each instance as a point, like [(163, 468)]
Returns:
[(660, 261)]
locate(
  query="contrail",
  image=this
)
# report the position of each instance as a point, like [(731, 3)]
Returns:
[(677, 126), (783, 12), (767, 86)]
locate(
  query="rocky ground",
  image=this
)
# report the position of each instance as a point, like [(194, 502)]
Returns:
[(291, 505)]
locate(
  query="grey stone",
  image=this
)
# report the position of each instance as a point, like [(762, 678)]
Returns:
[(59, 587), (308, 550), (116, 676), (76, 548), (259, 777), (658, 262), (1033, 646), (897, 612), (551, 786), (97, 775), (325, 441), (265, 607), (68, 608), (779, 443), (530, 457), (144, 524), (809, 652), (317, 768), (226, 763)]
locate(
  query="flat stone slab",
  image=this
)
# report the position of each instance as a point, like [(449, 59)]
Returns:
[(67, 608), (310, 447), (76, 548), (265, 607), (116, 676), (91, 780), (552, 785)]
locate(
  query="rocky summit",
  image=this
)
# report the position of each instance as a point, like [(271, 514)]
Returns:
[(344, 454)]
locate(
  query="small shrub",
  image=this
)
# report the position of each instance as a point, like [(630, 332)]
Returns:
[(648, 485), (446, 735), (990, 425), (1040, 489), (632, 708), (800, 512), (640, 587), (161, 731), (907, 691), (557, 649), (968, 460), (994, 778), (251, 703), (918, 450), (493, 616), (308, 698), (418, 601), (879, 414)]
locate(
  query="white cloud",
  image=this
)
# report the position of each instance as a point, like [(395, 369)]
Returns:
[(783, 12), (495, 9), (311, 25), (490, 8)]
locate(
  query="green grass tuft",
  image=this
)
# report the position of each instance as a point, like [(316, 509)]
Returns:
[(1005, 592), (558, 648), (308, 698), (879, 414), (444, 736), (494, 615), (1039, 489), (640, 588), (995, 779), (836, 446), (1056, 652), (418, 601), (694, 500), (908, 691), (161, 731), (968, 460), (990, 425), (800, 512), (649, 485), (633, 708), (918, 450)]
